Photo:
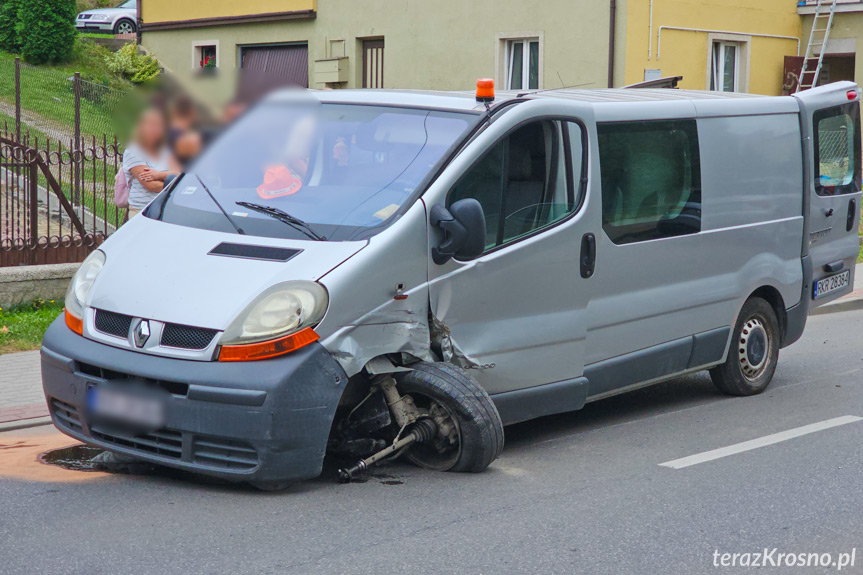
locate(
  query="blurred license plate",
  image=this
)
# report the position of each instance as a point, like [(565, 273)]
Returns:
[(831, 284), (119, 406)]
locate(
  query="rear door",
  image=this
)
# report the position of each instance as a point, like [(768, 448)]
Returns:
[(830, 121)]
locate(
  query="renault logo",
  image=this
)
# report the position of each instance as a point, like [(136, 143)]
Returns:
[(141, 333)]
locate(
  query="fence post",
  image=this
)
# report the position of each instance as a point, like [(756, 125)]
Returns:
[(17, 98), (34, 211), (77, 144)]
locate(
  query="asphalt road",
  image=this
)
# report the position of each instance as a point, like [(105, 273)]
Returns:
[(577, 493)]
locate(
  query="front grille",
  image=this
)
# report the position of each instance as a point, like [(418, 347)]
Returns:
[(224, 453), (66, 415), (113, 323), (187, 337), (165, 442)]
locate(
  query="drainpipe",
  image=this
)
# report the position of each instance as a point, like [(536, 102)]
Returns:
[(611, 33), (138, 22)]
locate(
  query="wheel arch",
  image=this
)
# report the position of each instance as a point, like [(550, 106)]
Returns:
[(772, 296)]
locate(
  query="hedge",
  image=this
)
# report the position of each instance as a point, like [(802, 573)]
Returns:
[(10, 39), (47, 30)]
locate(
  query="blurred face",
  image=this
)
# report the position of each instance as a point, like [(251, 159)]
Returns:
[(151, 130), (188, 146)]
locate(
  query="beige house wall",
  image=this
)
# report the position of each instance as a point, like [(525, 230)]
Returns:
[(446, 44)]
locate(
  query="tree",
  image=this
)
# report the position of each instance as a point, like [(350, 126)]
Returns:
[(10, 39), (47, 30)]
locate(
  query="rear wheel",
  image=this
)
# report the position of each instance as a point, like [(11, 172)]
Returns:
[(754, 351), (469, 430), (124, 26)]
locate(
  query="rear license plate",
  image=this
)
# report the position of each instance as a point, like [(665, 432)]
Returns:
[(831, 284), (123, 407)]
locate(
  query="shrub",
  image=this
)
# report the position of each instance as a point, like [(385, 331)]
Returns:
[(48, 30), (10, 39), (129, 62)]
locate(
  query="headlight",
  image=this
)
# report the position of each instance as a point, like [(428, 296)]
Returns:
[(281, 310), (100, 17), (82, 283)]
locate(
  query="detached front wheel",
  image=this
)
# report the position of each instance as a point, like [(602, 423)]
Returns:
[(469, 430), (754, 351)]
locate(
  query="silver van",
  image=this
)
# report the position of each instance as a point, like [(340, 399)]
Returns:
[(375, 274)]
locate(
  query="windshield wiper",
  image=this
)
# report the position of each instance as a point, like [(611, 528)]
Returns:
[(285, 218), (218, 205)]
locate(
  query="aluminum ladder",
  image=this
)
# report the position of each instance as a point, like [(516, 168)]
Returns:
[(818, 37)]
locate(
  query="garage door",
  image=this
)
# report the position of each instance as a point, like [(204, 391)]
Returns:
[(281, 65)]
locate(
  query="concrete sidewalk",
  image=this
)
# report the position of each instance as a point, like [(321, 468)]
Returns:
[(22, 403)]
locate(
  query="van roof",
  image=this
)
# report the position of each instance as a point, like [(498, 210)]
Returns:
[(465, 101), (613, 104)]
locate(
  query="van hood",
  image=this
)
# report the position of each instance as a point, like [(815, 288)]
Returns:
[(162, 271)]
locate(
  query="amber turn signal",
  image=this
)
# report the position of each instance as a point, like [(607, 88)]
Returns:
[(76, 324), (268, 349), (485, 90)]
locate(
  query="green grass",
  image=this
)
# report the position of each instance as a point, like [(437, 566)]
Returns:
[(860, 253), (94, 35), (47, 91), (22, 327)]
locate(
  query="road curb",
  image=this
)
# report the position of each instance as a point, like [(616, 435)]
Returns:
[(850, 304), (25, 423)]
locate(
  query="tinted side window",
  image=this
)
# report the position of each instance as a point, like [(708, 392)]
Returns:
[(651, 179), (837, 145), (524, 182)]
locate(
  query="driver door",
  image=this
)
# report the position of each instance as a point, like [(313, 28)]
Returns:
[(515, 315)]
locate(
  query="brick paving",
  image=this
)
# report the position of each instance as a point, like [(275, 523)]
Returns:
[(21, 395)]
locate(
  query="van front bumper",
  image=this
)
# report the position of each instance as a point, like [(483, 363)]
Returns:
[(262, 421)]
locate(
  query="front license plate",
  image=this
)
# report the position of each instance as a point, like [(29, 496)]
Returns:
[(123, 407), (831, 284)]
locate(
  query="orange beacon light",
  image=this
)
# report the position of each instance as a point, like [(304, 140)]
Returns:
[(485, 90)]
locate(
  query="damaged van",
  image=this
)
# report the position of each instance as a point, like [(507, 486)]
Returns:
[(381, 274)]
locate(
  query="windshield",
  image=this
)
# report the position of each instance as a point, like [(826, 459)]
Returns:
[(343, 171), (127, 4)]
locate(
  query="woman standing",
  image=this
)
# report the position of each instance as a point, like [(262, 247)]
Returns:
[(147, 161)]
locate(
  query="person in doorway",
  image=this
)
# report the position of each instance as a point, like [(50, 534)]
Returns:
[(147, 161)]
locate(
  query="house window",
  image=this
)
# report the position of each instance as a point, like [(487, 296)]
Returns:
[(206, 56), (522, 64), (725, 67), (373, 63)]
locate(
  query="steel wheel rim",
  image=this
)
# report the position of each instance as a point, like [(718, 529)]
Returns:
[(753, 349), (427, 456)]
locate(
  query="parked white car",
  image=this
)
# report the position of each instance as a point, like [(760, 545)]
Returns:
[(118, 20)]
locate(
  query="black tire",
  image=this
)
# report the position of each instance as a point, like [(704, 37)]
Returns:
[(125, 26), (479, 426), (756, 337)]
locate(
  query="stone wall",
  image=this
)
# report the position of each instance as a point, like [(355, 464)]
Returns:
[(23, 284)]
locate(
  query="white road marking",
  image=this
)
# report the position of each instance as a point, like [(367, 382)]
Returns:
[(760, 442)]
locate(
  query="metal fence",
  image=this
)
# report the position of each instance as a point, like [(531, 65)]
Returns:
[(56, 198), (52, 104)]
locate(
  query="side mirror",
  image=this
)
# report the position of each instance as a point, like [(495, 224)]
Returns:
[(463, 225)]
